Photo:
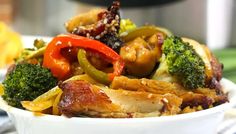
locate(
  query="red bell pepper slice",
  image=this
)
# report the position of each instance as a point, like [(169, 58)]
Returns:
[(60, 66)]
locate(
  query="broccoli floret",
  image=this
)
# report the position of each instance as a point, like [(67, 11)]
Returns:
[(26, 82), (182, 62)]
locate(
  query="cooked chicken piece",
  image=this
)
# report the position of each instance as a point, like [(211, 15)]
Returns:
[(82, 98), (83, 19), (191, 99), (217, 67), (144, 102), (79, 96), (213, 81), (155, 42), (153, 86), (202, 96), (140, 56), (218, 98)]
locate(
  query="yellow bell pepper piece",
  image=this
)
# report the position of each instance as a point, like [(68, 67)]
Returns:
[(55, 110), (48, 95), (145, 31), (37, 106)]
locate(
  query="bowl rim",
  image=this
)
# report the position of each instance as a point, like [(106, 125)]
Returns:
[(221, 108)]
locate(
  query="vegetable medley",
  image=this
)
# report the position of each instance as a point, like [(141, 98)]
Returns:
[(106, 66)]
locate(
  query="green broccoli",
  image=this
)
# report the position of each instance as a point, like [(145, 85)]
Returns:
[(181, 63), (26, 82)]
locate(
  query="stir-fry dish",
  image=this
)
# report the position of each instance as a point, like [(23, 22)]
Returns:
[(108, 67)]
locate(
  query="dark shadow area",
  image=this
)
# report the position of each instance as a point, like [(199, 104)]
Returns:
[(129, 3)]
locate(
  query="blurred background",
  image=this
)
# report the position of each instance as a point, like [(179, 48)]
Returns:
[(211, 22)]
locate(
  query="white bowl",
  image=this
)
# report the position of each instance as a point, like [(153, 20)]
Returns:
[(202, 122)]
